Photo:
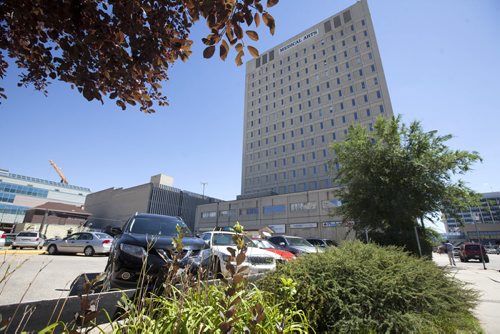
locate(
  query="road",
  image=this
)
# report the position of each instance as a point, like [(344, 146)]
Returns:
[(41, 276), (487, 282)]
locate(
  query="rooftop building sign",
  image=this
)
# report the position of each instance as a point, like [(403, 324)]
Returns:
[(299, 40)]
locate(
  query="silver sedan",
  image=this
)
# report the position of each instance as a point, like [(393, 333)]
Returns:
[(88, 243)]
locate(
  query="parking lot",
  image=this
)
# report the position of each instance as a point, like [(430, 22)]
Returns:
[(41, 276)]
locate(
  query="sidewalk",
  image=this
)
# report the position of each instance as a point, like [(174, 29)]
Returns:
[(487, 282)]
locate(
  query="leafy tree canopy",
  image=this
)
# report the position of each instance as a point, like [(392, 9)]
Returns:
[(397, 174), (120, 49)]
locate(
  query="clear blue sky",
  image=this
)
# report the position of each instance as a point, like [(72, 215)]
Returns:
[(441, 61)]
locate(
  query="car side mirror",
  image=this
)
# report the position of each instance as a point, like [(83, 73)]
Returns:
[(282, 244), (207, 244), (116, 231)]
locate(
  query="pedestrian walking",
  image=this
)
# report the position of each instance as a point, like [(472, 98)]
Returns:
[(448, 248)]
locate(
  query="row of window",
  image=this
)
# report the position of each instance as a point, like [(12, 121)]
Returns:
[(13, 209), (289, 188), (52, 183), (282, 148), (307, 119), (275, 209), (337, 98), (7, 198), (297, 100), (23, 190), (346, 73)]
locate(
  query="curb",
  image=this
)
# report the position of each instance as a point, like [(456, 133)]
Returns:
[(14, 251)]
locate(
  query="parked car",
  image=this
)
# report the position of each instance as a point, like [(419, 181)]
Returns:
[(264, 244), (2, 238), (215, 258), (28, 239), (88, 243), (322, 242), (470, 251), (145, 242), (9, 238), (295, 245)]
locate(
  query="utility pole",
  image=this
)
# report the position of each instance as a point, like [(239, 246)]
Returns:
[(203, 184), (475, 218)]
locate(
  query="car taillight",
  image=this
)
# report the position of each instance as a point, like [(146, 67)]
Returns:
[(106, 242), (3, 236)]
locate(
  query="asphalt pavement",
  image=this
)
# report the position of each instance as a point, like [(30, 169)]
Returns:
[(38, 276), (487, 282)]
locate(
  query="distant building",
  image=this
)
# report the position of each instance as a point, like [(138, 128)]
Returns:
[(485, 217), (19, 193), (112, 207), (54, 220)]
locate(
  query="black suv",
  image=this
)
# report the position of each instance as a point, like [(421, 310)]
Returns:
[(148, 237)]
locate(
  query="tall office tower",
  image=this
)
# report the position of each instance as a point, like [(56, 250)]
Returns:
[(305, 93)]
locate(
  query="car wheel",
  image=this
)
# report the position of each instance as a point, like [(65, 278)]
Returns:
[(89, 251), (466, 259), (14, 247), (215, 268), (462, 259), (487, 259), (108, 274), (52, 250)]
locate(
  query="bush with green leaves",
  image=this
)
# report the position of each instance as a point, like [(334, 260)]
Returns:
[(361, 288), (210, 309)]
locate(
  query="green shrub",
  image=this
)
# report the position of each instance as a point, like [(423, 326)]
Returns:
[(367, 288), (203, 309)]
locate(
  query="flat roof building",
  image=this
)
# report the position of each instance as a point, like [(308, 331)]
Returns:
[(305, 93), (112, 207), (300, 96), (485, 217), (19, 193)]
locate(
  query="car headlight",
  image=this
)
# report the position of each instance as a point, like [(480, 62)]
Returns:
[(136, 251)]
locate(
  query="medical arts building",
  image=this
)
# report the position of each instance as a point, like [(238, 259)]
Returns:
[(300, 96)]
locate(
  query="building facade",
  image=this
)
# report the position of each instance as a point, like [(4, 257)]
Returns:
[(300, 96), (112, 207), (305, 93), (19, 193), (305, 214), (485, 217)]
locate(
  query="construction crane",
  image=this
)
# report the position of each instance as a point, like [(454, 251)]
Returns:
[(59, 172)]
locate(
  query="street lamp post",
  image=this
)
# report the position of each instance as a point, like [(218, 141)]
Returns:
[(474, 219), (203, 185)]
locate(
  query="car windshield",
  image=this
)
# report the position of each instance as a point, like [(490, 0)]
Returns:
[(298, 242), (315, 242), (331, 243), (102, 235), (263, 243), (226, 239), (472, 247), (164, 226), (27, 234)]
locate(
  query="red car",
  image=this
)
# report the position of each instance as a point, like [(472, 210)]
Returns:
[(264, 244)]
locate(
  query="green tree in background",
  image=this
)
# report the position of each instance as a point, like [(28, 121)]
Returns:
[(396, 175)]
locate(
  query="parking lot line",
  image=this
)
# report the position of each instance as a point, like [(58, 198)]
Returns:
[(15, 251)]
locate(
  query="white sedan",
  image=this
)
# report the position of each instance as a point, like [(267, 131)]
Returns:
[(217, 255)]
